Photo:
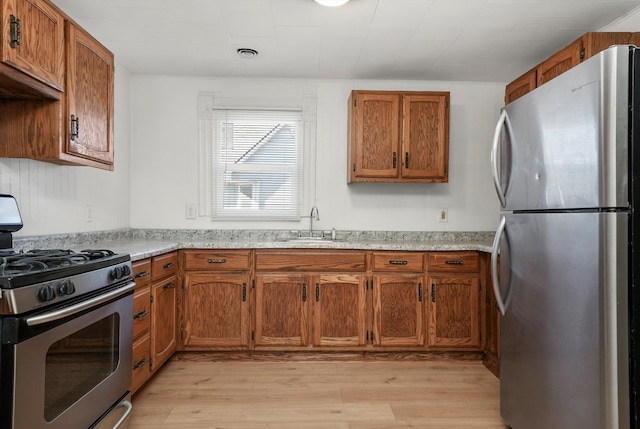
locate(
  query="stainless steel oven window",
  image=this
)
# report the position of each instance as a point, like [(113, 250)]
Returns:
[(68, 375), (79, 362)]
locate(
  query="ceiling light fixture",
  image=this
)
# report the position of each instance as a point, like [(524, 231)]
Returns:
[(331, 3), (247, 53)]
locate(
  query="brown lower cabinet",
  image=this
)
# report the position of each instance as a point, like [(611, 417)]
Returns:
[(308, 299), (154, 315)]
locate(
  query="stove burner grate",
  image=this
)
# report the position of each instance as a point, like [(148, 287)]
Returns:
[(38, 260)]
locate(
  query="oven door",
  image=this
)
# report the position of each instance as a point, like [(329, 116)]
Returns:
[(77, 365)]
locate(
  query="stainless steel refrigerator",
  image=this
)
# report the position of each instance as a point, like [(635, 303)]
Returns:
[(565, 162)]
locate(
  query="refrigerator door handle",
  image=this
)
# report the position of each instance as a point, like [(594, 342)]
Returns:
[(502, 303), (503, 122)]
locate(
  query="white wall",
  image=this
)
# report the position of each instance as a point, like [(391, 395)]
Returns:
[(165, 157), (53, 198)]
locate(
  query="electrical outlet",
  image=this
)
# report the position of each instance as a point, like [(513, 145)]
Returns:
[(89, 213), (190, 211), (443, 215)]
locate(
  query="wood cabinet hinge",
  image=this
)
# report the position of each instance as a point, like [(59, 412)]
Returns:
[(253, 335), (244, 292), (181, 334), (582, 54), (150, 298), (446, 104), (253, 284), (150, 362), (355, 102)]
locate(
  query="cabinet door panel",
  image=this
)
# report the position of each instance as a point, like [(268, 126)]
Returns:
[(89, 98), (398, 310), (282, 310), (339, 310), (454, 311), (376, 131), (40, 50), (560, 62), (163, 323), (216, 310), (425, 147)]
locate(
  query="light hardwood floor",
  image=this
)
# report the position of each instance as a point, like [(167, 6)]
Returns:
[(364, 394)]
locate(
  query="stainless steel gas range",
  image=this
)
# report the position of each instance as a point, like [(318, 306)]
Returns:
[(66, 322)]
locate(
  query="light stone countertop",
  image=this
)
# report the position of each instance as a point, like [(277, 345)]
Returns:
[(141, 248), (141, 244)]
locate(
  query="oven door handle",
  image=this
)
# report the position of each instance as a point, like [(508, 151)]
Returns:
[(84, 305), (128, 407)]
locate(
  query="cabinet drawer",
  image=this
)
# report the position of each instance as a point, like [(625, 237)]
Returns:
[(140, 362), (142, 273), (217, 260), (141, 312), (164, 265), (454, 261), (398, 261), (310, 261)]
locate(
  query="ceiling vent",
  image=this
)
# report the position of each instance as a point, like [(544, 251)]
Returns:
[(247, 53)]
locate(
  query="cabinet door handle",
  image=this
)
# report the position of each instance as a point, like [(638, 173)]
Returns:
[(317, 292), (16, 32), (396, 262), (216, 261), (433, 293), (395, 160), (420, 292), (406, 160), (75, 127), (142, 362), (454, 262), (140, 314), (304, 292), (142, 274), (244, 292), (168, 265)]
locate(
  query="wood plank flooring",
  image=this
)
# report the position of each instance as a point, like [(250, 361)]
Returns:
[(333, 394)]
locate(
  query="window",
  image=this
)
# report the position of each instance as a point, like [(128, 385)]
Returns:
[(256, 163)]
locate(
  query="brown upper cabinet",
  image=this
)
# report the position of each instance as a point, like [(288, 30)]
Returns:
[(56, 88), (398, 136), (571, 55), (89, 101), (32, 47)]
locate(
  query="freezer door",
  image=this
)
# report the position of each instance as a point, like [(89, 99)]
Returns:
[(564, 145), (564, 335)]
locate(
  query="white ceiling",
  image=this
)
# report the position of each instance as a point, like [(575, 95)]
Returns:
[(477, 40)]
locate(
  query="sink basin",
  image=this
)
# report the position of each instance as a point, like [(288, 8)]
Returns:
[(308, 240)]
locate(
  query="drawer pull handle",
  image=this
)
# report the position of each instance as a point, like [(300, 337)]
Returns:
[(142, 274), (140, 314), (394, 262), (217, 261), (168, 285), (142, 362), (454, 262), (168, 265)]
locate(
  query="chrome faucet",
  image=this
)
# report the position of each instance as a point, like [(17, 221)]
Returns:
[(314, 214)]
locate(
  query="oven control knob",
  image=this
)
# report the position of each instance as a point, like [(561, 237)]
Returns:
[(66, 288), (117, 273), (126, 270), (46, 293)]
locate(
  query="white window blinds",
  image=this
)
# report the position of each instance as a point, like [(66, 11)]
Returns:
[(257, 163)]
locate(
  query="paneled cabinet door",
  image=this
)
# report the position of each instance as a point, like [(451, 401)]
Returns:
[(454, 311), (425, 137), (339, 310), (216, 308), (33, 40), (163, 321), (282, 310), (89, 99), (375, 133), (398, 309), (560, 62)]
